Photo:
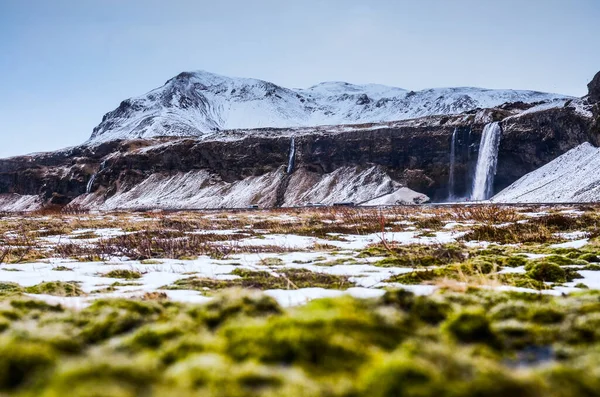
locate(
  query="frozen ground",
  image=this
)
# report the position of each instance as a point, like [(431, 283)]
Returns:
[(298, 255)]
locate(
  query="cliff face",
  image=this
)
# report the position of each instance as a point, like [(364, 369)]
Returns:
[(358, 163)]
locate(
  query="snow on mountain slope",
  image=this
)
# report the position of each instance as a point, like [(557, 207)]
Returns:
[(201, 104), (572, 177), (203, 189)]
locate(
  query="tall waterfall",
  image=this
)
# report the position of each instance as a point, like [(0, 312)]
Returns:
[(292, 157), (90, 184), (483, 184), (452, 162)]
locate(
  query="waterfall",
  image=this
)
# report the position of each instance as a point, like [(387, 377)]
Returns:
[(483, 184), (291, 159), (88, 188), (90, 184), (452, 161)]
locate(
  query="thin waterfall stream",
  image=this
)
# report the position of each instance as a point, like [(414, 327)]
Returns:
[(451, 177), (292, 157)]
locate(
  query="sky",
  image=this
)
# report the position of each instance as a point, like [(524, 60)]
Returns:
[(64, 64)]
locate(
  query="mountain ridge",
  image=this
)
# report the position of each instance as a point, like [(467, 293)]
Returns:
[(201, 103)]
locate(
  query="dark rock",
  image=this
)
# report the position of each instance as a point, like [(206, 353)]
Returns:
[(594, 89), (363, 99)]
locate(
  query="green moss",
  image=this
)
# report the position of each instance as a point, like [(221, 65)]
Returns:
[(34, 305), (418, 255), (104, 377), (471, 326), (56, 288), (547, 272), (513, 309), (123, 273), (22, 363), (546, 314), (559, 260), (153, 336), (235, 303), (423, 308), (216, 375), (151, 262), (515, 261), (271, 262), (589, 257), (9, 288), (331, 335), (62, 269), (282, 279), (416, 277)]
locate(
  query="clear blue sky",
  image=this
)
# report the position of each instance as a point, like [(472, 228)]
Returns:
[(64, 63)]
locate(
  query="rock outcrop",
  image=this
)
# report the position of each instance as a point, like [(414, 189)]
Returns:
[(594, 89)]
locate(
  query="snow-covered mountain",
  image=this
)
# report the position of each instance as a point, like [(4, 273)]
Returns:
[(572, 177), (201, 103)]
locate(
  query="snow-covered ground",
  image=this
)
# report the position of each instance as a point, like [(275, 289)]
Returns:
[(273, 248), (202, 103), (572, 177)]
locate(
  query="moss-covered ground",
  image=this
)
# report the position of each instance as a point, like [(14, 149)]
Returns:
[(473, 343)]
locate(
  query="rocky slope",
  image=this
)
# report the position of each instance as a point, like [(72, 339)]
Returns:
[(203, 104)]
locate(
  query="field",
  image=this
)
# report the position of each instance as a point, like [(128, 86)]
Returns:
[(403, 301)]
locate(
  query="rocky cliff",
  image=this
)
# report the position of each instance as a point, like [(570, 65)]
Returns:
[(382, 163)]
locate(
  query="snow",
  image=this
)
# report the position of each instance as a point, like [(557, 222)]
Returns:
[(203, 189), (401, 196), (17, 202), (572, 177), (202, 103), (301, 296), (572, 244)]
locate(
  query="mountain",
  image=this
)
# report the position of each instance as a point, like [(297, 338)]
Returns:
[(212, 162), (202, 104), (572, 177)]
